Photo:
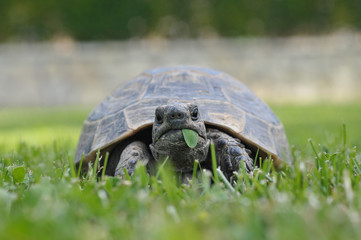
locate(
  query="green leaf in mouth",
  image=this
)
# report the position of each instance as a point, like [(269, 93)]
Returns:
[(190, 137)]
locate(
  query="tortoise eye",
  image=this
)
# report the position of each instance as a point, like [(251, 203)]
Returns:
[(194, 114), (158, 116)]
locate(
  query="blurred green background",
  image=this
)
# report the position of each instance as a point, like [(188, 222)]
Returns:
[(25, 20)]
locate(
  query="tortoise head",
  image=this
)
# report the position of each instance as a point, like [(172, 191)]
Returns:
[(168, 139)]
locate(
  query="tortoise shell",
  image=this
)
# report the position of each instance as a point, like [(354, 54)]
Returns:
[(223, 102)]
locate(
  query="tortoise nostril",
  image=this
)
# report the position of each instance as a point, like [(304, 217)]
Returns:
[(176, 115)]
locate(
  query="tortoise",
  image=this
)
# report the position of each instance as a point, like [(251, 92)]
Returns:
[(143, 122)]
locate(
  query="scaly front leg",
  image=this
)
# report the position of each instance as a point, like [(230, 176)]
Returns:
[(230, 152), (133, 154)]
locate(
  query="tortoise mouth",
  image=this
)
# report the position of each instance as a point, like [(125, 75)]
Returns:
[(175, 136), (172, 145)]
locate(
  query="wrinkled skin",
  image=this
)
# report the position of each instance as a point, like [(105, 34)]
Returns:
[(168, 142)]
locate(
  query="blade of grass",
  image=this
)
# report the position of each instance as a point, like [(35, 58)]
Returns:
[(126, 174), (270, 165), (260, 163), (161, 167), (344, 134), (256, 157), (169, 183), (195, 168), (355, 163), (214, 163), (141, 176), (80, 165), (317, 160), (105, 164), (95, 167), (224, 179), (244, 177), (72, 168)]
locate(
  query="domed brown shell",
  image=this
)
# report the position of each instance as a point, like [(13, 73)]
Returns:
[(223, 102)]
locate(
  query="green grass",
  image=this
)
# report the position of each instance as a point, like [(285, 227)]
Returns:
[(41, 197), (321, 122), (37, 126)]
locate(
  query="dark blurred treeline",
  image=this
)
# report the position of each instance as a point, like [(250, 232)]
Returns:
[(122, 19)]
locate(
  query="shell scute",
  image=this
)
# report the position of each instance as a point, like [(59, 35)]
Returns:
[(258, 131), (109, 130), (183, 85), (86, 139), (142, 112)]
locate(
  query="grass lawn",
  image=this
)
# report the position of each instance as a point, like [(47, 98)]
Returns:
[(42, 198)]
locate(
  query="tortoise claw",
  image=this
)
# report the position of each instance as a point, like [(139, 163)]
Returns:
[(230, 153), (133, 154)]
